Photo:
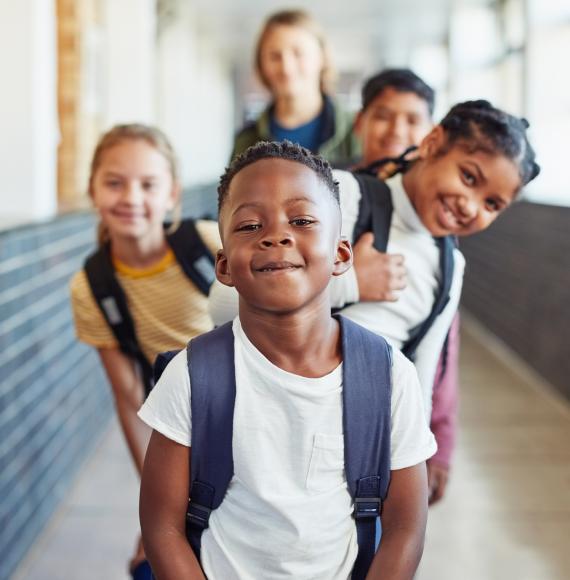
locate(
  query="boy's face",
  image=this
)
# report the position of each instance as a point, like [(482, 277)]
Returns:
[(280, 229), (391, 123), (462, 192)]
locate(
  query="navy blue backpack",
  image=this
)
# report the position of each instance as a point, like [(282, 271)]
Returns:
[(367, 380)]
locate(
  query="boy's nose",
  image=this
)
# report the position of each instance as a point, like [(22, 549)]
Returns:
[(398, 126), (282, 239)]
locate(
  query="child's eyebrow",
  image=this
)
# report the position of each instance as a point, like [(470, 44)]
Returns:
[(115, 173), (293, 200), (252, 204), (257, 204), (478, 170)]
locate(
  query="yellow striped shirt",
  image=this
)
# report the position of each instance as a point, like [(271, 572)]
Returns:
[(166, 307)]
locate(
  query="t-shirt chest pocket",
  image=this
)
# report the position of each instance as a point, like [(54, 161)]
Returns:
[(326, 466)]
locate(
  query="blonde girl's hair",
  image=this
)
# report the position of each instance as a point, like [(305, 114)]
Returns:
[(135, 132), (303, 20)]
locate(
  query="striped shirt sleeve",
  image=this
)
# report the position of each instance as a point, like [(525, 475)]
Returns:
[(90, 325)]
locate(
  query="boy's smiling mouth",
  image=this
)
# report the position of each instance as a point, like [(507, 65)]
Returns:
[(281, 266)]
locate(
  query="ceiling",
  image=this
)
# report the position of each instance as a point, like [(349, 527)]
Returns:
[(364, 34)]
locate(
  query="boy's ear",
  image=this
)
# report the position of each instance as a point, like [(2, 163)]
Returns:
[(343, 258), (222, 269), (432, 142)]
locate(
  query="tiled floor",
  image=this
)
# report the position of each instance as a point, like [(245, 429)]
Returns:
[(94, 533), (506, 516)]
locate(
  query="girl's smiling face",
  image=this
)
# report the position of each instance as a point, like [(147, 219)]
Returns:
[(133, 188), (459, 192)]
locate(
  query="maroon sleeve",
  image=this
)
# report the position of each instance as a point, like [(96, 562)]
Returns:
[(445, 396)]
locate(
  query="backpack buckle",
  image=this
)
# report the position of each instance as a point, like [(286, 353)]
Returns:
[(367, 507), (198, 515)]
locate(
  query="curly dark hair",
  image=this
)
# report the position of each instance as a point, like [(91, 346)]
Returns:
[(278, 150), (484, 127), (402, 80)]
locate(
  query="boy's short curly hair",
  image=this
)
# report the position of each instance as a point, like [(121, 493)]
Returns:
[(402, 80), (278, 150)]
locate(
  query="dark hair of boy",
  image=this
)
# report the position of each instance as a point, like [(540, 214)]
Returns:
[(278, 150), (402, 80), (487, 128)]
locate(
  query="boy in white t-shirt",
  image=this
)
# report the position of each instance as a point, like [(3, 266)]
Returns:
[(284, 515)]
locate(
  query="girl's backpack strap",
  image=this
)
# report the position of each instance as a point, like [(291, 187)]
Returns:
[(193, 255), (375, 210), (446, 247), (112, 302), (213, 392), (367, 392)]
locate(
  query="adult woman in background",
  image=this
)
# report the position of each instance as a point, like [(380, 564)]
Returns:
[(293, 62)]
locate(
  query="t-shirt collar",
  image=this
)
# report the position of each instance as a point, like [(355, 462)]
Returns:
[(403, 206)]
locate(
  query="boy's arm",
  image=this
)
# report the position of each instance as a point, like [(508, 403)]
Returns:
[(404, 518), (163, 503)]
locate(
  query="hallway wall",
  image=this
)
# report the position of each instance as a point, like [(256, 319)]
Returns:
[(517, 284), (54, 399)]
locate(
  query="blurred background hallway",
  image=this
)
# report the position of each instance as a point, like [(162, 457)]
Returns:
[(71, 69)]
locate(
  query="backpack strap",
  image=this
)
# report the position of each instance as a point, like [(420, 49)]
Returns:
[(446, 246), (161, 362), (213, 393), (375, 210), (367, 424), (112, 302), (192, 254), (194, 258)]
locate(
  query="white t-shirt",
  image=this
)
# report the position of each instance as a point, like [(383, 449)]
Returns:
[(393, 320), (396, 320), (287, 511)]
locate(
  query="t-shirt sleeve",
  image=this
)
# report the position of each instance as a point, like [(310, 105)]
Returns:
[(223, 303), (411, 439), (90, 324), (167, 408), (210, 233)]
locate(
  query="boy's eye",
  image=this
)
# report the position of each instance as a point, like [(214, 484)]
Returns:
[(468, 177), (113, 183), (302, 222), (148, 185), (248, 227), (381, 115)]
